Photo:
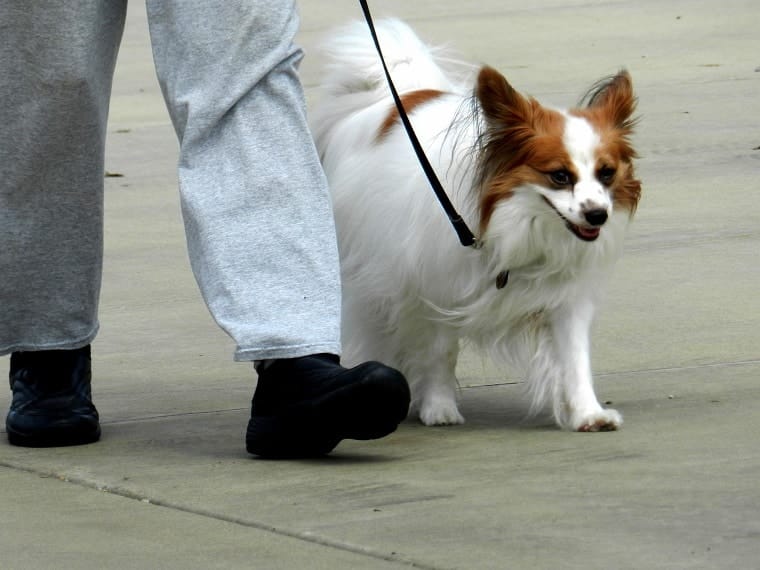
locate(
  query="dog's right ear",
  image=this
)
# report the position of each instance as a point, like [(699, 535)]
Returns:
[(501, 103)]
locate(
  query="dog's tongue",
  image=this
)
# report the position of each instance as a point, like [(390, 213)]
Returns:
[(589, 233)]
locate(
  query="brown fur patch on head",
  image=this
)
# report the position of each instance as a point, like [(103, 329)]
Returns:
[(410, 101), (521, 142), (610, 107)]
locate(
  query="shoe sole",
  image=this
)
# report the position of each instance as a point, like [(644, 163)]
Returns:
[(53, 438), (368, 409)]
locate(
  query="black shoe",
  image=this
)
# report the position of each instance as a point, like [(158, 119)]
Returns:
[(52, 402), (303, 407)]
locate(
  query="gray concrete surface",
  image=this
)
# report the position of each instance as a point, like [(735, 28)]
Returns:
[(676, 348)]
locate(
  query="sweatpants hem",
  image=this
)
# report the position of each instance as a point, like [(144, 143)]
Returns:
[(294, 351), (65, 345)]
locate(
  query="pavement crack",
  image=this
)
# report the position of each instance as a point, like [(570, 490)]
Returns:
[(304, 536), (157, 417), (726, 364)]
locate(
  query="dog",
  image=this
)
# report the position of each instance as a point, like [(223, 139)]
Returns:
[(550, 193)]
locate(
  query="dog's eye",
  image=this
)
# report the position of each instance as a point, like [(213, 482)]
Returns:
[(606, 174), (561, 177)]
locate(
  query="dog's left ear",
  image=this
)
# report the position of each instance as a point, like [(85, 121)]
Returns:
[(614, 97)]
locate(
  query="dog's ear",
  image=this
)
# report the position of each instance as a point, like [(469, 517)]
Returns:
[(501, 103), (615, 99)]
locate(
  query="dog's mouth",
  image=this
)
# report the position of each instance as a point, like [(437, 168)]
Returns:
[(584, 233)]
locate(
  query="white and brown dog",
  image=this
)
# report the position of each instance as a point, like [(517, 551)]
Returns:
[(550, 192)]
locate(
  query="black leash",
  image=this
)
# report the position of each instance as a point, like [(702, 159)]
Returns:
[(466, 237)]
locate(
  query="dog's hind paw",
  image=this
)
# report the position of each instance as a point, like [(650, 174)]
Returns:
[(440, 412), (602, 420)]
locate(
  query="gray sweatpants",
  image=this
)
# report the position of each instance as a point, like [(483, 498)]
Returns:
[(257, 215)]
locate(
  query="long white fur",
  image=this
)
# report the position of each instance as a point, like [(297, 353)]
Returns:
[(411, 291)]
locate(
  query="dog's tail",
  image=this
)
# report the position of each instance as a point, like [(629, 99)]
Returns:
[(353, 78), (354, 67)]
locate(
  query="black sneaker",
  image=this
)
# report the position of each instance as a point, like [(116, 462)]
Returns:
[(52, 402), (303, 407)]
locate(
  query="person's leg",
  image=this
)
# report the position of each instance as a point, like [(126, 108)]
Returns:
[(56, 61), (259, 223), (254, 198)]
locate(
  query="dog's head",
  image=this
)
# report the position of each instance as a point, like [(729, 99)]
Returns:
[(578, 162)]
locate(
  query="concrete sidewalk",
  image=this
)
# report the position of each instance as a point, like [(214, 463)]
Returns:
[(677, 348)]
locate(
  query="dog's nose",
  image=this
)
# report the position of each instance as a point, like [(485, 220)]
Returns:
[(596, 217)]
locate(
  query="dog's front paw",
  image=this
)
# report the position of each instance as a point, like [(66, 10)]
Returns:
[(440, 411), (599, 420)]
